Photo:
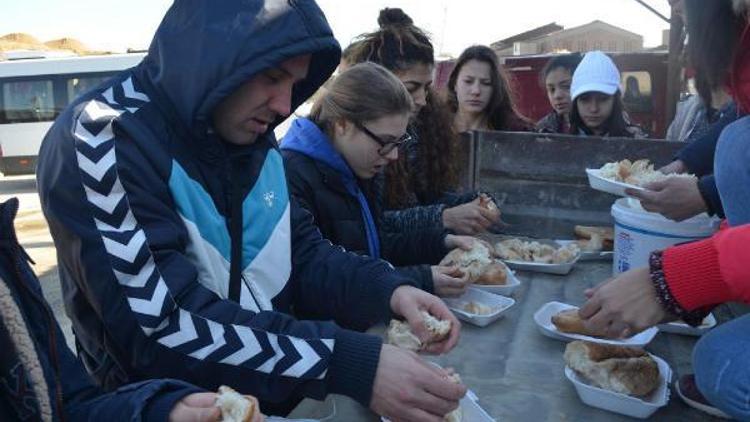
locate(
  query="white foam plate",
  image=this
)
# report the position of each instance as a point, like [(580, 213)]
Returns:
[(543, 319), (511, 284), (635, 407), (472, 411), (680, 327), (589, 256), (607, 185), (559, 269), (500, 303)]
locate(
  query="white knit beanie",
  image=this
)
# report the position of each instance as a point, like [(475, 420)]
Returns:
[(596, 73)]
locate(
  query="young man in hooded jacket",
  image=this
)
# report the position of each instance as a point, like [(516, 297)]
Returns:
[(180, 252)]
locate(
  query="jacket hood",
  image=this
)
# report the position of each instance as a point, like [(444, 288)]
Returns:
[(305, 137), (204, 49)]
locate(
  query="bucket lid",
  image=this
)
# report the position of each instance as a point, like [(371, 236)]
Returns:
[(628, 211)]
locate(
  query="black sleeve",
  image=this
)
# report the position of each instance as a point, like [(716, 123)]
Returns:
[(421, 274), (710, 194), (414, 247), (698, 155)]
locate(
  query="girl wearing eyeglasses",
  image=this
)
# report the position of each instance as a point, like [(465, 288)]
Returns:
[(353, 132)]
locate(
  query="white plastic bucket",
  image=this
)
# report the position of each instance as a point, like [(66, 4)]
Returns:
[(639, 232)]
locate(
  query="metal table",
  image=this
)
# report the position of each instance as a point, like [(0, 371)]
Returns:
[(517, 373)]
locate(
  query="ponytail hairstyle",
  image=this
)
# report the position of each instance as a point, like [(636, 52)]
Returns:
[(501, 111), (363, 92), (399, 45)]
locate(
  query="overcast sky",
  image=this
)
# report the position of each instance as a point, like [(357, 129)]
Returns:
[(454, 24)]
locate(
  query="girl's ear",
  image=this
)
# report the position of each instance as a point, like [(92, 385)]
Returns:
[(341, 128)]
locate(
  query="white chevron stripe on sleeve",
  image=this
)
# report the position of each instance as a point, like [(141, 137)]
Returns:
[(99, 169), (109, 95), (329, 343), (187, 332), (139, 280), (309, 359), (128, 224), (151, 306), (217, 335), (82, 134), (149, 331), (107, 202), (278, 354), (126, 252), (250, 346), (97, 110), (130, 92)]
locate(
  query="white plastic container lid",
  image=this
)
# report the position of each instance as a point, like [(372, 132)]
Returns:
[(630, 216)]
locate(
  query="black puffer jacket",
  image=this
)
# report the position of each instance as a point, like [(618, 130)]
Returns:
[(321, 189)]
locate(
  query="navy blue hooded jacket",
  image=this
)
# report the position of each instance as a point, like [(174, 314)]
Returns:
[(321, 180), (181, 256), (40, 378)]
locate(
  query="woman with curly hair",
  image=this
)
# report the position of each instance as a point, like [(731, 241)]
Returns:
[(420, 189), (480, 94)]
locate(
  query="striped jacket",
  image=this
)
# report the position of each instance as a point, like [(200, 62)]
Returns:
[(181, 256)]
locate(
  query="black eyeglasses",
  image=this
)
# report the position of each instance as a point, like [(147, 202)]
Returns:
[(385, 146)]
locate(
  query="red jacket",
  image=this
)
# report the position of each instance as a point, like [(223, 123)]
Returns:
[(716, 270)]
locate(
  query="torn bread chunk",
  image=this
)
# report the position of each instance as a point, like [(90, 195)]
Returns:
[(400, 335), (234, 406)]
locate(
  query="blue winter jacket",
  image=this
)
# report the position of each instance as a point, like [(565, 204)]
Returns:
[(181, 256), (40, 378)]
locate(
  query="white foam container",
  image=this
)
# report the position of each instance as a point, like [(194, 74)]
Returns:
[(708, 323), (559, 269), (470, 408), (543, 320), (623, 404), (511, 284), (500, 303), (639, 232), (603, 184)]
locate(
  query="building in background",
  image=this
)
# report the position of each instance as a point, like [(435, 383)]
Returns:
[(552, 38)]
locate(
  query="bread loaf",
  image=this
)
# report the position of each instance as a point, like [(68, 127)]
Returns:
[(400, 335), (568, 321), (623, 370), (477, 264), (234, 406)]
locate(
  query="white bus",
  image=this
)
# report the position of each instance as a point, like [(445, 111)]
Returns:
[(34, 91)]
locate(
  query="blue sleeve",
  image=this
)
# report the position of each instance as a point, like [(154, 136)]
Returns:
[(698, 155), (121, 243)]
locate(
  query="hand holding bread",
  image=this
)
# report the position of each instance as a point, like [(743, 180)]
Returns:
[(478, 264), (412, 304)]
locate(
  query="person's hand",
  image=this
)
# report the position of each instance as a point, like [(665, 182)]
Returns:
[(407, 388), (623, 306), (449, 281), (201, 407), (466, 243), (676, 166), (470, 218), (408, 301), (676, 198)]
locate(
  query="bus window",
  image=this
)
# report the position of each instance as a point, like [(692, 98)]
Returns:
[(28, 101), (637, 91), (81, 84)]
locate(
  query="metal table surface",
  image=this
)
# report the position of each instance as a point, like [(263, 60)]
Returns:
[(517, 373)]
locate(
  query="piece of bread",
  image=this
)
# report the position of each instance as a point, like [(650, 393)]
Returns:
[(472, 262), (458, 414), (400, 335), (596, 234), (234, 406), (615, 368), (477, 308), (568, 321), (494, 274)]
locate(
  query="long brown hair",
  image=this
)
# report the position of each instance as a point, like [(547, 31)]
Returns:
[(501, 111), (398, 45)]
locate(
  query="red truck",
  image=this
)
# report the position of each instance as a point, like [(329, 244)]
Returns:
[(644, 82)]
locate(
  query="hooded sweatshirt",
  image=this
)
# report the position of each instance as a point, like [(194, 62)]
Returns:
[(181, 256), (346, 208), (305, 137)]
